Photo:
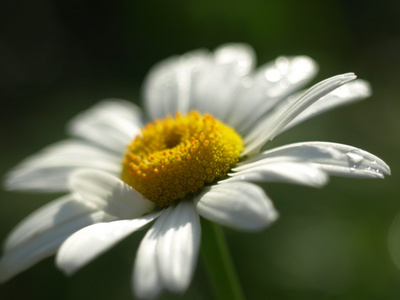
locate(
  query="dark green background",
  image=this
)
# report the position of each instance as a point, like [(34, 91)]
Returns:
[(59, 57)]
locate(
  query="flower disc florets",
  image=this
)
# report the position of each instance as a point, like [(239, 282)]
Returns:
[(176, 156)]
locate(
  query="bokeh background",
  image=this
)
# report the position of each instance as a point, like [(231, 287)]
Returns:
[(59, 57)]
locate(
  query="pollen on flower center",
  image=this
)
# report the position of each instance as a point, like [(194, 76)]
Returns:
[(176, 156)]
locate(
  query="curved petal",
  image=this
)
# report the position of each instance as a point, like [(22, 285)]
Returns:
[(45, 218), (218, 85), (146, 279), (177, 246), (88, 243), (280, 170), (41, 233), (110, 193), (352, 162), (346, 94), (270, 84), (239, 205), (307, 152), (168, 87), (270, 127), (194, 81), (111, 124), (335, 159), (48, 170)]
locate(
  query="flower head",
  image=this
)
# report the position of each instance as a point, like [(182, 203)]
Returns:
[(177, 156), (210, 115)]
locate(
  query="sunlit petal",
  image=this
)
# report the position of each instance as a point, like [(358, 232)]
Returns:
[(353, 162), (268, 86), (348, 93), (272, 170), (178, 245), (111, 124), (231, 63), (48, 170), (146, 279), (88, 243), (268, 128), (239, 205), (110, 193), (333, 158), (168, 87), (41, 233)]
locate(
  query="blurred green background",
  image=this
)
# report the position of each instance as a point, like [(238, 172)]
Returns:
[(59, 57)]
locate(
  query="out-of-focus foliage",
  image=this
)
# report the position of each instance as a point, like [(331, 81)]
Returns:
[(59, 57)]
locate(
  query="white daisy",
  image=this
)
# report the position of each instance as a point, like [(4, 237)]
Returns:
[(210, 115)]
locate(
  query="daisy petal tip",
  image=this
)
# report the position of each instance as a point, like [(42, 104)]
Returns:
[(347, 77), (241, 205), (388, 171), (264, 221), (321, 181), (363, 164), (7, 185), (5, 273), (307, 64), (364, 88), (379, 169), (316, 179), (272, 217), (382, 171), (177, 247), (145, 293), (67, 270), (65, 265), (178, 287), (383, 167)]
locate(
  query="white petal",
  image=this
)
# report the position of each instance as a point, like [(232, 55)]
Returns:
[(352, 162), (178, 245), (48, 170), (111, 124), (218, 85), (346, 94), (335, 159), (110, 193), (271, 83), (239, 205), (198, 80), (168, 87), (88, 243), (41, 233), (45, 218), (268, 128), (307, 152), (272, 170), (146, 279)]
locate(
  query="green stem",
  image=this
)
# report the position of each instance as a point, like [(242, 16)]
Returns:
[(218, 262)]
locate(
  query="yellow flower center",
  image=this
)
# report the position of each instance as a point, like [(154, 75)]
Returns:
[(173, 157)]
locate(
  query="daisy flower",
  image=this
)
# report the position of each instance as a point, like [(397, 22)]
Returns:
[(200, 150)]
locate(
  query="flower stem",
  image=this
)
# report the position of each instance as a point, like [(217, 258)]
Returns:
[(219, 263)]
